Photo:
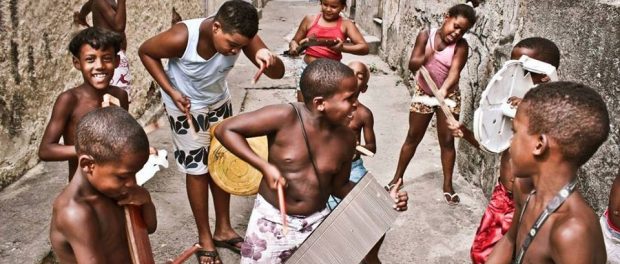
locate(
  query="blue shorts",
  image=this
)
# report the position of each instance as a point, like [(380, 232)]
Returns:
[(357, 173)]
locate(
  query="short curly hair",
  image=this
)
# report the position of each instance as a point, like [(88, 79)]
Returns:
[(106, 133), (322, 77), (572, 114), (237, 16), (98, 38), (546, 50)]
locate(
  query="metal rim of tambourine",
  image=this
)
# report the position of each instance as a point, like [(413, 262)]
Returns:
[(493, 118), (231, 173)]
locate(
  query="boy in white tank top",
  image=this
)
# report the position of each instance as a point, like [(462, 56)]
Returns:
[(202, 52)]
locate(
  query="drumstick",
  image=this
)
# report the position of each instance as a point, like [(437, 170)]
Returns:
[(282, 205), (108, 100), (364, 151), (257, 75), (192, 128), (442, 103), (186, 254)]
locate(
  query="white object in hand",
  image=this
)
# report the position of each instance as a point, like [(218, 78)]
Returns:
[(152, 166), (364, 151)]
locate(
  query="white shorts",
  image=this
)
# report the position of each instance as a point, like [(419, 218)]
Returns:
[(191, 154), (612, 241), (122, 76)]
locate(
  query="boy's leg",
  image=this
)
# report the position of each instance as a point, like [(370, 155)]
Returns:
[(223, 228), (198, 195), (373, 255), (448, 155), (418, 123)]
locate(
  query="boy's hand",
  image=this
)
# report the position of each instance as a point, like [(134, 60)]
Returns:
[(338, 46), (400, 197), (265, 58), (514, 101), (136, 196), (181, 101), (456, 129), (273, 176), (78, 19)]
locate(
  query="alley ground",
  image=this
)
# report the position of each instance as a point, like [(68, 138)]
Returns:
[(429, 232)]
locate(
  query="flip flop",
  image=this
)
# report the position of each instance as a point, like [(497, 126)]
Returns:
[(229, 244), (450, 198), (211, 254)]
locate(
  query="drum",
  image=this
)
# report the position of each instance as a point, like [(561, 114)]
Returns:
[(231, 173)]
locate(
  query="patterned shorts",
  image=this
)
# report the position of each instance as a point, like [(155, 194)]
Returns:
[(422, 108), (191, 154), (122, 75), (265, 241), (611, 238)]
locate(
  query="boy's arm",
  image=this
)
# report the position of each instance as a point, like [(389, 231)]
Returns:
[(80, 16), (49, 148), (80, 227), (358, 45), (117, 19), (168, 44), (232, 134), (259, 54), (572, 241), (299, 35), (458, 63), (369, 132), (418, 56)]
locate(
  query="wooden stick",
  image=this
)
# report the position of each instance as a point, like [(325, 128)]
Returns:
[(192, 128), (137, 236), (185, 255), (108, 100), (258, 74), (435, 90), (364, 151), (282, 205)]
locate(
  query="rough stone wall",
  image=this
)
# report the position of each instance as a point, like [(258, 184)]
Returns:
[(35, 67), (586, 32)]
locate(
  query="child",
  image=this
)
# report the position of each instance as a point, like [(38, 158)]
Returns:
[(110, 15), (362, 119), (558, 127), (310, 150), (444, 53), (88, 221), (327, 24), (94, 55), (498, 216), (201, 53), (610, 223)]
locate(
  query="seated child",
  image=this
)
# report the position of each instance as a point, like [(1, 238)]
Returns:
[(330, 25), (88, 220), (362, 120), (610, 223), (443, 52), (558, 127), (94, 55), (310, 150), (499, 213)]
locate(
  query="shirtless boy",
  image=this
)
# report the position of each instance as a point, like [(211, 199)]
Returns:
[(310, 150), (94, 55), (110, 15), (558, 127), (610, 223), (88, 221)]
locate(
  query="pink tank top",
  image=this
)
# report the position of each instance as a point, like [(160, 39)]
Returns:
[(325, 32), (437, 65)]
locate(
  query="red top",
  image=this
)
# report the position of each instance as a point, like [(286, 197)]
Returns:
[(318, 31)]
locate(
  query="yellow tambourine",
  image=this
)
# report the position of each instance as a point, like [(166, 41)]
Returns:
[(231, 173)]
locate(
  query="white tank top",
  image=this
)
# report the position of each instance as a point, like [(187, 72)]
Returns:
[(203, 81)]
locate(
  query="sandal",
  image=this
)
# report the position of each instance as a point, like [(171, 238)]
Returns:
[(214, 257), (452, 199), (229, 244)]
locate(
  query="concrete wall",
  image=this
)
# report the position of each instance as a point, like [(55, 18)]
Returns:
[(35, 67), (213, 5), (589, 39)]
